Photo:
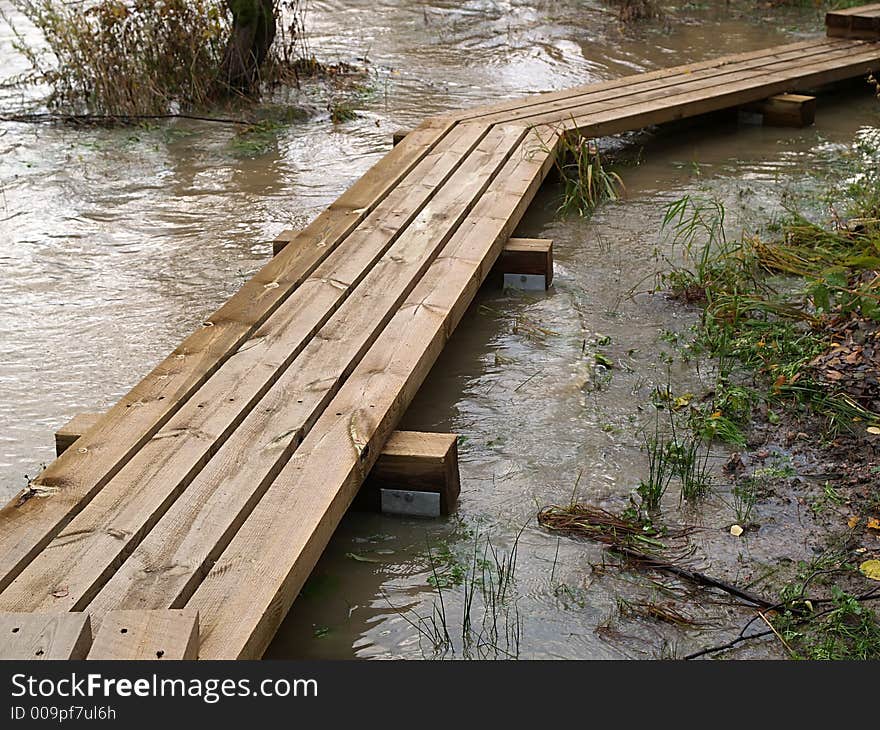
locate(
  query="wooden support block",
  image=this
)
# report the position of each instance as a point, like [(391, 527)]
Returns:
[(282, 239), (418, 462), (860, 23), (45, 635), (527, 257), (784, 110), (398, 135), (415, 461), (67, 435), (161, 634)]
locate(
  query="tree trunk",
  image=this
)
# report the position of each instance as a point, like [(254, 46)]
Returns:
[(253, 30)]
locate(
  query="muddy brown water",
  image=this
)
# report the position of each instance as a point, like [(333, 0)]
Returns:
[(115, 244)]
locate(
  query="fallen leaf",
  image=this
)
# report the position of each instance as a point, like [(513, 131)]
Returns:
[(873, 429), (736, 530), (61, 592), (683, 400), (602, 360), (873, 523), (870, 569), (852, 521)]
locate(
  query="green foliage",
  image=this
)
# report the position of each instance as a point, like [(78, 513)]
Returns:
[(585, 181), (120, 58)]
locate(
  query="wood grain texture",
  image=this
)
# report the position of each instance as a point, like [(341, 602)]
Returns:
[(166, 567), (310, 495), (90, 548), (526, 256), (147, 635), (38, 513), (416, 461), (69, 433), (44, 635)]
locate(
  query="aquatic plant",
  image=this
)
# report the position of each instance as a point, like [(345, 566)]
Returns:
[(482, 621), (585, 181)]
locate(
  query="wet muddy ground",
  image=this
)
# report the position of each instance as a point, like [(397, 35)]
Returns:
[(116, 243)]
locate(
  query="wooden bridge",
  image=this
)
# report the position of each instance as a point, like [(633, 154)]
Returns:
[(187, 517)]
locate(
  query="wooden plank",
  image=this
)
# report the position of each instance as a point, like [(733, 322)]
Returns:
[(482, 112), (276, 548), (36, 514), (675, 79), (526, 256), (416, 461), (67, 435), (785, 110), (860, 23), (282, 239), (716, 92), (86, 551), (596, 122), (44, 635), (410, 460), (163, 570), (147, 635)]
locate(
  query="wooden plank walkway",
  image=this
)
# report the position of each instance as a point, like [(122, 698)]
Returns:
[(216, 482)]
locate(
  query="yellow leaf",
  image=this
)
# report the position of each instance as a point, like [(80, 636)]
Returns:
[(852, 521), (871, 569), (683, 400), (736, 530), (873, 429), (873, 523)]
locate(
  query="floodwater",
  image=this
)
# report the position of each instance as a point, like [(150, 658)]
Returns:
[(115, 244)]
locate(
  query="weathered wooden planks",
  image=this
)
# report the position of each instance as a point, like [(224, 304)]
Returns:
[(88, 550), (44, 636), (69, 433), (147, 635), (709, 94), (412, 460), (36, 515), (861, 22), (236, 457), (224, 491), (679, 79), (309, 496)]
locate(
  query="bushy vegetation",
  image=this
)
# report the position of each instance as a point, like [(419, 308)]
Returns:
[(142, 57)]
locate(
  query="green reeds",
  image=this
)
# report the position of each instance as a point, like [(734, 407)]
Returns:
[(585, 181)]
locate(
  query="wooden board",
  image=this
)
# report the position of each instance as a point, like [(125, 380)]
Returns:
[(861, 22), (595, 123), (38, 513), (848, 58), (147, 635), (785, 110), (416, 461), (628, 83), (165, 568), (526, 256), (69, 433), (88, 549), (638, 88), (309, 496), (44, 635)]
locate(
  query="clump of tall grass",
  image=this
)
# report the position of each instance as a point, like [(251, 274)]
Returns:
[(483, 620), (128, 58), (585, 181), (632, 10), (120, 58)]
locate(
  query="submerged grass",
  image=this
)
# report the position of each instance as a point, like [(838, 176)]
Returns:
[(771, 306), (586, 183)]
